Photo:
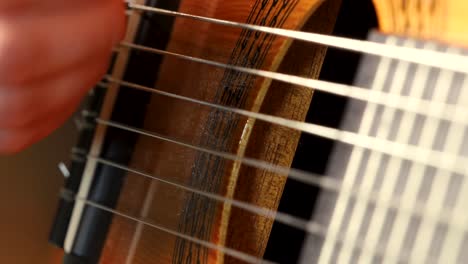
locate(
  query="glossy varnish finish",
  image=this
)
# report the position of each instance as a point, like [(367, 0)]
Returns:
[(277, 144), (443, 20), (198, 216), (192, 214)]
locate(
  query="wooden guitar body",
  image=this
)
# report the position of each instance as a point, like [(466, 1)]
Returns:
[(193, 214), (182, 162), (431, 20)]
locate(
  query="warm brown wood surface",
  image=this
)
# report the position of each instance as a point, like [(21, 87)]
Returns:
[(444, 20), (179, 210), (276, 144), (195, 216)]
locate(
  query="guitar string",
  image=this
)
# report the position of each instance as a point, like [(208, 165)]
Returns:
[(454, 136), (140, 87), (377, 251), (453, 113), (451, 251), (414, 153), (428, 136), (70, 195), (313, 228), (284, 218), (389, 183), (405, 130), (371, 174), (440, 186), (357, 157), (87, 177), (295, 174), (436, 59)]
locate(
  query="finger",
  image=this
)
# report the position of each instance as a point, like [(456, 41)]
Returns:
[(23, 107), (14, 141), (26, 5), (17, 139), (36, 44)]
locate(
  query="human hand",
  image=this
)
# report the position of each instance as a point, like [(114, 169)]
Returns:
[(51, 54)]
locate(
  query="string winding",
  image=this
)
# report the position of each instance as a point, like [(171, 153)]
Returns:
[(440, 160), (307, 178), (453, 113), (457, 63), (287, 219), (70, 195), (440, 110)]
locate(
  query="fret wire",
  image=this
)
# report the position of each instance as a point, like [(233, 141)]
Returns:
[(449, 251), (301, 176), (402, 222), (289, 220), (371, 172), (436, 200), (68, 194), (453, 113), (390, 182), (101, 86), (356, 157), (413, 153), (284, 218), (436, 59)]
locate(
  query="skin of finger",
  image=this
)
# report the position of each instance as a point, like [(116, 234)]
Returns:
[(18, 6), (45, 93), (15, 140), (23, 108), (34, 44)]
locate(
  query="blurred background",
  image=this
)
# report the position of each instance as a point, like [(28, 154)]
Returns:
[(29, 188)]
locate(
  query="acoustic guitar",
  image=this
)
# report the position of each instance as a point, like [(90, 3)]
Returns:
[(275, 131)]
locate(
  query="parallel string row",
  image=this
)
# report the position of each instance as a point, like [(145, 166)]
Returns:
[(284, 218), (440, 110), (305, 177), (436, 59), (437, 159), (453, 113), (70, 195)]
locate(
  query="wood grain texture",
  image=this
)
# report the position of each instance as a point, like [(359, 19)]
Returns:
[(276, 144), (189, 213), (443, 20)]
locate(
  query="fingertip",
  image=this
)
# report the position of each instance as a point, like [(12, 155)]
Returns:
[(10, 50), (13, 143), (121, 22), (20, 50)]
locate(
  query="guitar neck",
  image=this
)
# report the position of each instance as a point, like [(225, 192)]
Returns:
[(395, 208)]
